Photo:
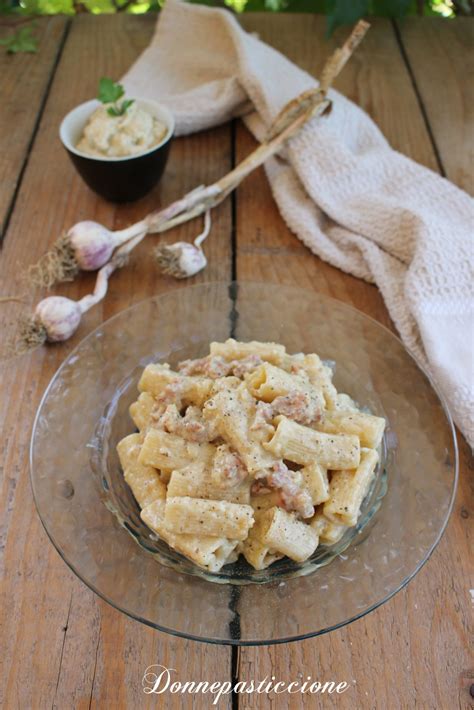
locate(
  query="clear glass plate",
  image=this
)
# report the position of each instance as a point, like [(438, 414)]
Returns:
[(93, 520)]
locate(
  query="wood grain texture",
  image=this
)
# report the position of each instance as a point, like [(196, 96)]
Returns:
[(442, 61), (24, 81), (411, 652), (63, 647)]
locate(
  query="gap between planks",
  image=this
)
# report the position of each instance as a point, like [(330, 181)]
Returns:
[(423, 111), (34, 132)]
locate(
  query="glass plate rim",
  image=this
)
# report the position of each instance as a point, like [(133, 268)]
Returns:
[(239, 642)]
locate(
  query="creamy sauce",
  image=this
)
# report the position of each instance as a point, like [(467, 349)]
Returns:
[(120, 136)]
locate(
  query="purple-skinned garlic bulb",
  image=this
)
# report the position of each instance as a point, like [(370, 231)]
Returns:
[(55, 319), (92, 244), (87, 246), (59, 316)]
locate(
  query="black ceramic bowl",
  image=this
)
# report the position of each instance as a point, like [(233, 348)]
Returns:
[(117, 179)]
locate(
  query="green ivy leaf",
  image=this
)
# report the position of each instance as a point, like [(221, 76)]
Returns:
[(6, 8), (20, 41), (275, 5), (344, 12), (392, 8), (109, 91)]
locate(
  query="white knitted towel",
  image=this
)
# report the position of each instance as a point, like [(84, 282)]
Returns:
[(340, 188)]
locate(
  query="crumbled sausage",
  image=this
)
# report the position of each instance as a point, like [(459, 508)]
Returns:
[(228, 469), (294, 498), (247, 364), (297, 405), (171, 395), (212, 366), (215, 366), (191, 427)]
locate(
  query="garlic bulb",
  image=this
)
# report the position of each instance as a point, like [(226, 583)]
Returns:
[(181, 260), (58, 316), (92, 244), (88, 246)]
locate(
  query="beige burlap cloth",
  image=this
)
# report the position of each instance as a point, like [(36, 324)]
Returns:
[(339, 186)]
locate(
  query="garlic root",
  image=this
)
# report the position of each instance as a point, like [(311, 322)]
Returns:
[(182, 260), (56, 318), (87, 246)]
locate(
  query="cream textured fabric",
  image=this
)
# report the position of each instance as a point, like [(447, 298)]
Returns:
[(340, 188)]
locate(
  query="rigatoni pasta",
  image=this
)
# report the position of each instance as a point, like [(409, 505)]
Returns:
[(194, 481), (368, 428), (348, 489), (208, 517), (206, 551), (303, 445), (283, 533), (144, 481), (170, 452), (249, 450)]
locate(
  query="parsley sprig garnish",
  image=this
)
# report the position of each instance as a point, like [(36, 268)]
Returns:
[(110, 93)]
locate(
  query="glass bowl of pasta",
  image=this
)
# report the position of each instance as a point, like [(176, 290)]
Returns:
[(243, 463)]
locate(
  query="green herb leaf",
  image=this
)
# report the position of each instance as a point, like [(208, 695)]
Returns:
[(109, 91), (21, 41), (126, 104), (120, 109)]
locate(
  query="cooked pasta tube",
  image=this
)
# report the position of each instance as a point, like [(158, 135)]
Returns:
[(315, 480), (211, 553), (367, 427), (257, 553), (303, 445), (208, 517), (192, 390), (265, 501), (232, 412), (348, 489), (345, 403), (235, 350), (269, 383), (144, 480), (169, 452), (329, 532), (155, 377), (195, 481), (141, 410), (320, 375), (284, 533)]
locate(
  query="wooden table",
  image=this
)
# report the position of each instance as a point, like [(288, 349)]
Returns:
[(62, 646)]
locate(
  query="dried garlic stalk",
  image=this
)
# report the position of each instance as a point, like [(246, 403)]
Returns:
[(90, 246)]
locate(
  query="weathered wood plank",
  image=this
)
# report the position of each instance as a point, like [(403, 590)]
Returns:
[(24, 84), (73, 645), (396, 657), (441, 60)]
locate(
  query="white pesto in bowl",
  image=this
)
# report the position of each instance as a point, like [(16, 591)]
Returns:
[(136, 131)]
